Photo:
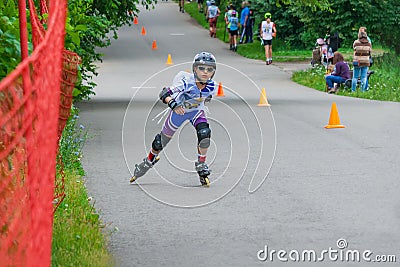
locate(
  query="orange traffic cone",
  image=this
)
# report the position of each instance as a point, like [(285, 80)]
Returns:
[(220, 90), (143, 31), (263, 99), (135, 21), (154, 47), (334, 121), (169, 60)]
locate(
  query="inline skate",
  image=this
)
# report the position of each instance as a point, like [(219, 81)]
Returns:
[(143, 167)]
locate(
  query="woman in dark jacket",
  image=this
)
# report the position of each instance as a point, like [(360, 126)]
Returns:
[(339, 75)]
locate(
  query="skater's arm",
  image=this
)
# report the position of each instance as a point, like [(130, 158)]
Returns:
[(178, 109), (166, 98)]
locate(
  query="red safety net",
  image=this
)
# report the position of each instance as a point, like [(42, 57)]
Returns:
[(71, 62), (29, 133)]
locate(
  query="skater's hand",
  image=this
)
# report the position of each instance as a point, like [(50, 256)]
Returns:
[(179, 110)]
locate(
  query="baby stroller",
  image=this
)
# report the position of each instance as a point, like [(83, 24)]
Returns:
[(347, 83), (322, 53)]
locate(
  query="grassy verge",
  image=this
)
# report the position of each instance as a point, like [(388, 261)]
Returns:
[(383, 84), (77, 236)]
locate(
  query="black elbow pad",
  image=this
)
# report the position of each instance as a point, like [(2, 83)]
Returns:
[(165, 92)]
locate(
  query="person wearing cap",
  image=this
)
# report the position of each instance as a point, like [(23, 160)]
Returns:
[(267, 33), (212, 15), (186, 99), (227, 16), (233, 29)]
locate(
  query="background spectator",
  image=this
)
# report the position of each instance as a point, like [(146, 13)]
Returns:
[(340, 73), (362, 52)]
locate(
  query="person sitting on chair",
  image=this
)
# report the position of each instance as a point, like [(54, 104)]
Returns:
[(340, 73)]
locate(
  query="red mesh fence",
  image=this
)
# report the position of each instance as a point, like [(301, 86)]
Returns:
[(69, 74), (29, 114)]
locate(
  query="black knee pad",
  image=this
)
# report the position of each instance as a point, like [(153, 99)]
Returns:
[(203, 134), (160, 141)]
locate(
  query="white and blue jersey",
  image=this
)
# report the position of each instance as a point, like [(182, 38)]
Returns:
[(186, 93), (212, 11), (234, 23)]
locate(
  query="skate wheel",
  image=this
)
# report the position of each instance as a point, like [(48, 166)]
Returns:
[(132, 179), (206, 182)]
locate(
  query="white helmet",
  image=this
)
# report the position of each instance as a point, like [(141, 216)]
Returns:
[(204, 58)]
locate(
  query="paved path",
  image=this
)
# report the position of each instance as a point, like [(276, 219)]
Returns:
[(321, 185)]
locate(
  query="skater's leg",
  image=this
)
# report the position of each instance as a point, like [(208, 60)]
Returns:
[(159, 142), (203, 137), (171, 124)]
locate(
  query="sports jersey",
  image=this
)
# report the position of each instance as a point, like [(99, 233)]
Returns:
[(266, 30), (185, 91), (212, 11), (234, 23)]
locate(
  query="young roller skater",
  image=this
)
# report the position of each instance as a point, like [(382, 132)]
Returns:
[(186, 99)]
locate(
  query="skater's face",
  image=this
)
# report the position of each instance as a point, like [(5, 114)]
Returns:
[(206, 68), (204, 72)]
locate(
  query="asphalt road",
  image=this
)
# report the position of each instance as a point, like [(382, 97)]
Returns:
[(280, 180)]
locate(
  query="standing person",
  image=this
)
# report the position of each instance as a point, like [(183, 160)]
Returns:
[(364, 29), (340, 73), (244, 19), (252, 21), (234, 27), (208, 4), (200, 5), (182, 6), (362, 52), (212, 15), (267, 32), (186, 99), (227, 16)]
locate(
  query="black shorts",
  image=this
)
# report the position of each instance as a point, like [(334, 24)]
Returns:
[(234, 32), (267, 42), (200, 1)]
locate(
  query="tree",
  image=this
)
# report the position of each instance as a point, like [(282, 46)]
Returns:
[(10, 51), (88, 26), (301, 22)]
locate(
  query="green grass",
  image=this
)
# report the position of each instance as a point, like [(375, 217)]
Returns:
[(384, 84), (77, 236)]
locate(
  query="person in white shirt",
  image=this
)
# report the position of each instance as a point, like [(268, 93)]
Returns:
[(267, 33)]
